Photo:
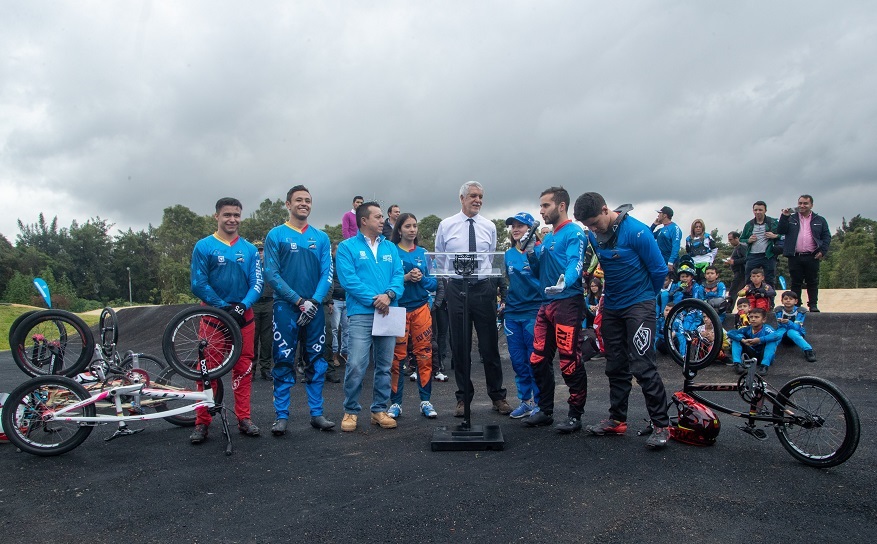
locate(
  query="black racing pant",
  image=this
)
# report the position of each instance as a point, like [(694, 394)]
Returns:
[(482, 314), (628, 335), (558, 329)]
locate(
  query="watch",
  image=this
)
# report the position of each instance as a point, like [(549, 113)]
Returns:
[(390, 293)]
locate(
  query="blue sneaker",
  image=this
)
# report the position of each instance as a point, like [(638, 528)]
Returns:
[(524, 410), (394, 411), (427, 409)]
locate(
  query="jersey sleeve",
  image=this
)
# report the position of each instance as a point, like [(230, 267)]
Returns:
[(200, 277), (575, 254), (272, 271), (325, 268), (651, 257), (254, 277)]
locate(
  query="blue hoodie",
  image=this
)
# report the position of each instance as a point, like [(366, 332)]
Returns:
[(363, 276)]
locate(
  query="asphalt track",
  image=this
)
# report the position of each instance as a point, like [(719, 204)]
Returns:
[(379, 485)]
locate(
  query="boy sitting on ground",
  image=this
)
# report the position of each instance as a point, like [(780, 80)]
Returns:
[(790, 322), (758, 340), (759, 293)]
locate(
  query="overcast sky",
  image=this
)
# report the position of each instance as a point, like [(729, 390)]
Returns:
[(121, 109)]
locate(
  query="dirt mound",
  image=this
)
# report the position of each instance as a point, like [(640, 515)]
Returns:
[(141, 327)]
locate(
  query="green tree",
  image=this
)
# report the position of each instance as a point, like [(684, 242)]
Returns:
[(19, 289), (90, 248), (8, 262), (136, 253), (180, 229), (426, 229), (503, 242), (269, 214), (854, 263), (334, 233)]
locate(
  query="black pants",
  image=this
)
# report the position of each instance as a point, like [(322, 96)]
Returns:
[(482, 314), (804, 269), (739, 282), (263, 312), (760, 260), (628, 335)]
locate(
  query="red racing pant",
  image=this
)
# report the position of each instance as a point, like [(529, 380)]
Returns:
[(558, 328), (241, 383)]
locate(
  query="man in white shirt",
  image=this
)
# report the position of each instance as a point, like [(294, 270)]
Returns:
[(469, 232)]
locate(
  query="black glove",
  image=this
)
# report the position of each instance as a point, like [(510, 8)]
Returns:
[(308, 310), (236, 310)]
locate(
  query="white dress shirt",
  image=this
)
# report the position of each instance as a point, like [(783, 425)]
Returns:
[(452, 236)]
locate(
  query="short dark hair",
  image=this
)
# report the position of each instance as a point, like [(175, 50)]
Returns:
[(735, 234), (396, 236), (743, 300), (296, 189), (362, 211), (588, 205), (391, 208), (559, 194), (756, 271), (792, 294), (711, 267), (228, 201), (808, 197), (760, 203), (761, 311), (357, 197)]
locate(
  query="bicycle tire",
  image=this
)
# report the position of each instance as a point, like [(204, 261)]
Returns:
[(108, 327), (834, 435), (171, 379), (17, 322), (185, 332), (67, 331), (708, 312), (25, 427)]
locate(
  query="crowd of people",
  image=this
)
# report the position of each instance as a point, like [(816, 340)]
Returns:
[(598, 287)]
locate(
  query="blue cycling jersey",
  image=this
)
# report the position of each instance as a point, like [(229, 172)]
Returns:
[(223, 273), (298, 263)]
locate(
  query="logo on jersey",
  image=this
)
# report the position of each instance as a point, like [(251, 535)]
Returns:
[(642, 339), (221, 259), (362, 255), (388, 258), (293, 246), (312, 244)]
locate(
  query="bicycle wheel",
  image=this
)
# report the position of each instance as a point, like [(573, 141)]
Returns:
[(108, 325), (17, 322), (821, 426), (26, 416), (690, 316), (52, 332), (170, 379), (198, 327)]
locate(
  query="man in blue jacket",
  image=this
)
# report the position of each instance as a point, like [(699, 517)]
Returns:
[(668, 235), (370, 270), (807, 241), (298, 265), (634, 270), (557, 262)]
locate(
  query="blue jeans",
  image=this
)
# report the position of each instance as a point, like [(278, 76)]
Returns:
[(339, 319), (519, 339), (361, 344)]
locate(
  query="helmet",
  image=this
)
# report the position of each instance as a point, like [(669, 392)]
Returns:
[(685, 269), (697, 424)]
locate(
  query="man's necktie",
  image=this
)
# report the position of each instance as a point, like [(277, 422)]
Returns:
[(471, 235)]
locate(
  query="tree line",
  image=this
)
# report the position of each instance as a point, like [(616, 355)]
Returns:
[(88, 267)]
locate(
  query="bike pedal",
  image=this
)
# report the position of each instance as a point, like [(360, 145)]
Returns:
[(756, 433)]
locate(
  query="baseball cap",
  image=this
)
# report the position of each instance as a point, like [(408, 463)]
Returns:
[(258, 244), (523, 217), (667, 210)]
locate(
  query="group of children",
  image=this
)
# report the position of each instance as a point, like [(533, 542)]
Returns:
[(752, 335)]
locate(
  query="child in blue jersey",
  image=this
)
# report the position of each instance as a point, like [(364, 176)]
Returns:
[(714, 291), (226, 273), (298, 265), (790, 321), (418, 318), (520, 307), (759, 340)]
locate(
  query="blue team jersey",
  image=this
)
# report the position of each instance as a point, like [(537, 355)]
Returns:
[(524, 296), (669, 239), (561, 252), (634, 269), (364, 275), (416, 292), (223, 273), (298, 264)]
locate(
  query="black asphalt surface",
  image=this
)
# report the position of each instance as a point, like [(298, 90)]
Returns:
[(379, 485)]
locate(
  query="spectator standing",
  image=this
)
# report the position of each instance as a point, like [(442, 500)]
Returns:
[(348, 221), (807, 242), (634, 270), (700, 245), (737, 262), (263, 313), (370, 271), (339, 328), (668, 235), (392, 216), (469, 232), (760, 232), (226, 273)]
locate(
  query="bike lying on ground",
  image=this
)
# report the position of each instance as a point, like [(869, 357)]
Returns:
[(815, 422), (53, 414)]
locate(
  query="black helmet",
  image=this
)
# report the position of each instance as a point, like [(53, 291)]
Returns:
[(697, 424)]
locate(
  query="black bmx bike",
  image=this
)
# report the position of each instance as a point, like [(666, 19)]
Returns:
[(812, 418)]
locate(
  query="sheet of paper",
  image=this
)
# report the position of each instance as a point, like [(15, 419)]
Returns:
[(392, 324)]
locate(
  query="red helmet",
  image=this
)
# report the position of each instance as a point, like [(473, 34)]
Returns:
[(697, 424)]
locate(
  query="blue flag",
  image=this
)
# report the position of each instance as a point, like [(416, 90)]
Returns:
[(43, 288)]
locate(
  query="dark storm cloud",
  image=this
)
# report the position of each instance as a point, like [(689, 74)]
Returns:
[(121, 110)]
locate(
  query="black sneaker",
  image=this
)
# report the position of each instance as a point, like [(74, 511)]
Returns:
[(658, 438), (814, 309), (809, 356), (247, 427), (278, 428), (199, 434), (321, 423), (761, 370), (538, 419), (739, 368), (571, 425), (608, 427)]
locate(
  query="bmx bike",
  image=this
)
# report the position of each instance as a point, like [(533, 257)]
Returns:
[(53, 414), (812, 418)]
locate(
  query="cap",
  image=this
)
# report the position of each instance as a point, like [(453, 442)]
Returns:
[(667, 210), (523, 217), (258, 244)]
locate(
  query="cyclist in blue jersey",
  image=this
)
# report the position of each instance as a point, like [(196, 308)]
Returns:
[(521, 305), (227, 273), (558, 262), (634, 272), (298, 265), (668, 235)]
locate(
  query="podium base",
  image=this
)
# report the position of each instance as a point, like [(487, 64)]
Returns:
[(473, 438)]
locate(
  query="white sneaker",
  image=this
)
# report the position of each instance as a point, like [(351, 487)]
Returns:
[(414, 376), (394, 411), (427, 410), (441, 377)]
